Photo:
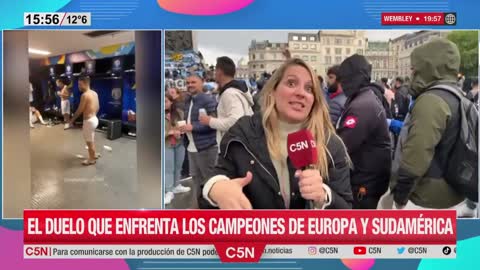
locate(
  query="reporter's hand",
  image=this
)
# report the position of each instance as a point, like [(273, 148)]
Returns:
[(311, 185), (228, 194)]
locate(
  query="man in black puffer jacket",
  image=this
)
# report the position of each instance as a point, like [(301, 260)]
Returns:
[(364, 130), (402, 100)]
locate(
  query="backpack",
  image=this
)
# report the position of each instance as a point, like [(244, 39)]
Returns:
[(462, 168)]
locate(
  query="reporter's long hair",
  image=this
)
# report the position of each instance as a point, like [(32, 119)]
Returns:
[(318, 121)]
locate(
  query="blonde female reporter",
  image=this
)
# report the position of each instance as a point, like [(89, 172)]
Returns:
[(253, 170)]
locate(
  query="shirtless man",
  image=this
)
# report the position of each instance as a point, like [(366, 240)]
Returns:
[(89, 108), (64, 94), (35, 116)]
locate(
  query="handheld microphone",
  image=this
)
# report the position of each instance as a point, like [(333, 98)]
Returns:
[(302, 151)]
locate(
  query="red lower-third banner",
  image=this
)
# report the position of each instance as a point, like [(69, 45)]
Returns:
[(235, 229), (208, 227)]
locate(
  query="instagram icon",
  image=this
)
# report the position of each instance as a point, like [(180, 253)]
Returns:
[(312, 250)]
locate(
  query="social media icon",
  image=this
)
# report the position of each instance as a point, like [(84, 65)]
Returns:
[(450, 18), (312, 250), (400, 250), (360, 250), (447, 250)]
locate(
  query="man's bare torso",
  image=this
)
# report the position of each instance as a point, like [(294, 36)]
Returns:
[(64, 93), (91, 104)]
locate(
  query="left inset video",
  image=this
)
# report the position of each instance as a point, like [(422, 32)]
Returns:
[(69, 121)]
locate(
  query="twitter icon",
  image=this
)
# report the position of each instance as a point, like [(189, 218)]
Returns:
[(400, 250)]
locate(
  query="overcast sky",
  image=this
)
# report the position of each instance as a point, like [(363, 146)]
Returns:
[(234, 44)]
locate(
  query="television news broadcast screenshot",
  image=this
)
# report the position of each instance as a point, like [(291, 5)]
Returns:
[(271, 134)]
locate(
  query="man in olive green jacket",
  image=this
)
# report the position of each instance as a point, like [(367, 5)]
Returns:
[(429, 132)]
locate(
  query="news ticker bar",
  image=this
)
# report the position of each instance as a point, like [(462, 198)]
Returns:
[(419, 18), (209, 252)]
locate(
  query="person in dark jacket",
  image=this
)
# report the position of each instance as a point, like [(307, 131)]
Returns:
[(401, 101), (473, 93), (201, 139), (254, 170), (335, 97), (258, 95), (363, 128)]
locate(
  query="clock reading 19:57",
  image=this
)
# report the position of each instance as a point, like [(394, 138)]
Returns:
[(432, 18), (57, 19)]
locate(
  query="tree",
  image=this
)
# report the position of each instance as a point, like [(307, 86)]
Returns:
[(467, 43)]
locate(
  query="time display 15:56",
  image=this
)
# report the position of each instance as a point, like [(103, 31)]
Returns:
[(38, 18)]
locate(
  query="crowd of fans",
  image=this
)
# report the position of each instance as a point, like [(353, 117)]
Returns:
[(389, 144)]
